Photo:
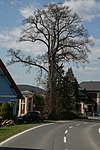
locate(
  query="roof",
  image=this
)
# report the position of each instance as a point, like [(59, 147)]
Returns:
[(84, 97), (88, 101), (10, 80), (27, 93), (90, 86)]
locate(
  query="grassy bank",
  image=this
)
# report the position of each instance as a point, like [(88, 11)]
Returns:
[(8, 131)]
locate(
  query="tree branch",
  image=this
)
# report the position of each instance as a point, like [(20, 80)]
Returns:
[(16, 57)]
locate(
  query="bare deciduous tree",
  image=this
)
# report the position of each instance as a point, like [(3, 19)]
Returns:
[(62, 32)]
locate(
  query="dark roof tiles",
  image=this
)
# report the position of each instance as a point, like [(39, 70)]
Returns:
[(90, 85)]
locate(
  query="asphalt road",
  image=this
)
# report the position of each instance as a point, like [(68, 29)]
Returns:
[(70, 135)]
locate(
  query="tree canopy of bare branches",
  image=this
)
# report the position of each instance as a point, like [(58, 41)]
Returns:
[(61, 31)]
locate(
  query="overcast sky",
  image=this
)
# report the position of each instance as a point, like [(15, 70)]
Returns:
[(12, 12)]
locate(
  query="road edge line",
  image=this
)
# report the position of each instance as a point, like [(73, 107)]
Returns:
[(14, 136)]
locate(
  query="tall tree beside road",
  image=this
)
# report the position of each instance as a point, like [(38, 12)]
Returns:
[(68, 95), (72, 90), (65, 39)]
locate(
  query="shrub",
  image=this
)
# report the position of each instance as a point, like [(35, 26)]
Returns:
[(71, 115), (6, 111)]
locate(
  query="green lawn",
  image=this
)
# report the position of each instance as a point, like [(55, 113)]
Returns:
[(8, 131)]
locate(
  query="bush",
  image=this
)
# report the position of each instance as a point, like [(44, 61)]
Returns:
[(52, 116), (68, 115), (64, 115), (6, 111), (71, 115), (82, 117)]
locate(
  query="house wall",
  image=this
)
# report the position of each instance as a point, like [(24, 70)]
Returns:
[(96, 97), (93, 95), (9, 91), (82, 107), (98, 102), (6, 91), (25, 105), (86, 109)]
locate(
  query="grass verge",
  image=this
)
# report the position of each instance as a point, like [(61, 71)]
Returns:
[(8, 131)]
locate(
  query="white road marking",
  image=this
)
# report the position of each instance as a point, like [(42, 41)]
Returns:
[(70, 127), (65, 140), (66, 131), (77, 125), (85, 122), (99, 130)]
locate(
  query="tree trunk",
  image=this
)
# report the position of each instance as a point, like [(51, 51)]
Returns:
[(52, 90)]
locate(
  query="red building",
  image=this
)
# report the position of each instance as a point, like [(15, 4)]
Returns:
[(91, 91)]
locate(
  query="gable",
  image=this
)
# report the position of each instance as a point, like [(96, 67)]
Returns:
[(5, 86), (8, 88)]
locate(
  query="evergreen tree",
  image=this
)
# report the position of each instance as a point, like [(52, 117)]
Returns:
[(38, 100), (68, 94), (59, 80)]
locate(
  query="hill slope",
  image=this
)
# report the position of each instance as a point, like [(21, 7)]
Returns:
[(24, 87)]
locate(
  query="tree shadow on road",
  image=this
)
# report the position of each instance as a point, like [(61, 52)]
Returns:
[(11, 148)]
